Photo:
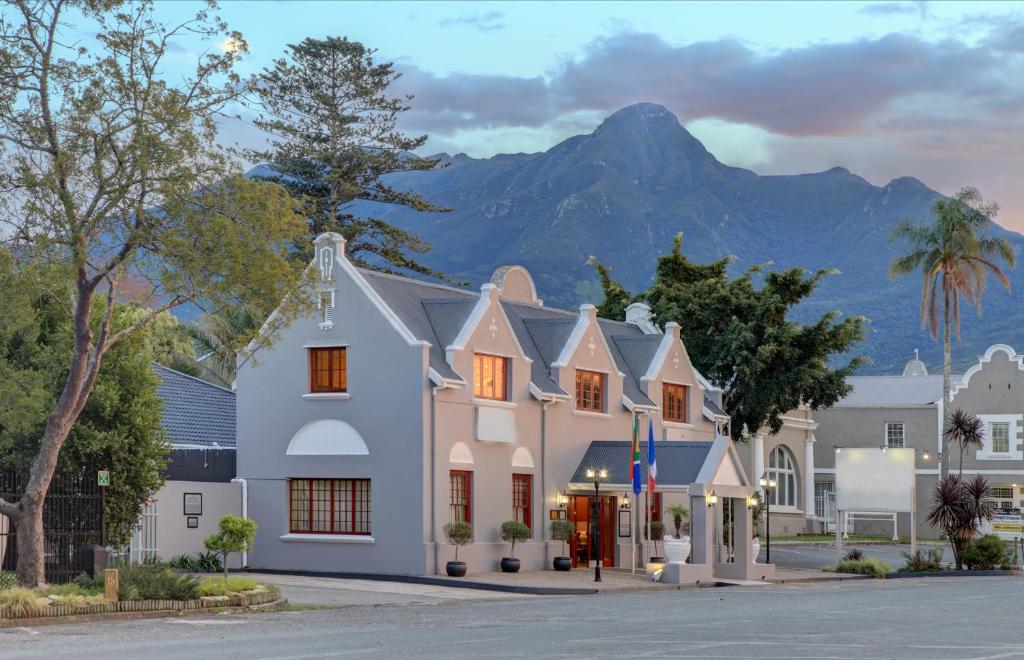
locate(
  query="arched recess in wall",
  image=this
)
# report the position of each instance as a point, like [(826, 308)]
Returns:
[(327, 437), (461, 454), (522, 458)]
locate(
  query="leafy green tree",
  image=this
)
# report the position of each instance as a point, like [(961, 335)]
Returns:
[(954, 255), (333, 137), (111, 175), (216, 338), (234, 534), (740, 338), (119, 428)]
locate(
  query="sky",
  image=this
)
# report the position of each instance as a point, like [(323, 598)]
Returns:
[(932, 90)]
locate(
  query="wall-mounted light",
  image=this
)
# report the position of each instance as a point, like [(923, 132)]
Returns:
[(884, 448), (925, 455), (561, 499), (837, 448), (711, 498), (752, 501)]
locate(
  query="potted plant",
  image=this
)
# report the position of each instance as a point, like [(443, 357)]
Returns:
[(458, 533), (756, 514), (512, 531), (678, 549), (657, 534), (562, 530)]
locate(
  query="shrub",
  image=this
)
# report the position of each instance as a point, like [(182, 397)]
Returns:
[(184, 562), (209, 561), (512, 531), (657, 533), (866, 566), (921, 563), (233, 534), (87, 582), (8, 580), (985, 552), (155, 582), (853, 554), (562, 530), (19, 600), (458, 533), (233, 585)]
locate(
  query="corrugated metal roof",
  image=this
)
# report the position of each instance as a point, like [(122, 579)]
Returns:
[(893, 391), (195, 413), (679, 461)]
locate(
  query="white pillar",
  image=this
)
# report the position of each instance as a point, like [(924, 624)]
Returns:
[(809, 477), (758, 462)]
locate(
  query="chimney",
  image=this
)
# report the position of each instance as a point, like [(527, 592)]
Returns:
[(639, 314)]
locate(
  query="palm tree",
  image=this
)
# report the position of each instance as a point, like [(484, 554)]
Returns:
[(954, 256), (216, 338), (966, 430)]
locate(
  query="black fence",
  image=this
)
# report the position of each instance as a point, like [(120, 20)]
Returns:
[(72, 519)]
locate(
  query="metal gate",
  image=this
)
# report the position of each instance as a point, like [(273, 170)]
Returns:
[(143, 546), (72, 519)]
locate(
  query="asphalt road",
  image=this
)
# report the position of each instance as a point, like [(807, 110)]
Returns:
[(910, 618)]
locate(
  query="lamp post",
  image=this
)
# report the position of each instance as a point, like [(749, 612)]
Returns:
[(597, 477), (767, 485)]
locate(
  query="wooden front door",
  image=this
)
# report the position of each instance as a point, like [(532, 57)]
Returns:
[(581, 513)]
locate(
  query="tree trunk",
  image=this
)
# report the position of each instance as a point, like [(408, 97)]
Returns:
[(225, 568), (947, 370), (31, 543)]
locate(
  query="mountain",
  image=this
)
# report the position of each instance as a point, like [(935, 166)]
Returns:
[(621, 194)]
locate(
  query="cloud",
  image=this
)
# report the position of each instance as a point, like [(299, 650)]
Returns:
[(486, 22), (895, 8)]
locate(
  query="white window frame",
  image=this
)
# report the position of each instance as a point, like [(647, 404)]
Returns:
[(986, 453), (903, 435), (781, 473)]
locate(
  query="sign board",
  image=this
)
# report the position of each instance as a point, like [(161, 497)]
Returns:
[(624, 523), (192, 522), (193, 504), (1007, 524), (869, 479), (103, 477)]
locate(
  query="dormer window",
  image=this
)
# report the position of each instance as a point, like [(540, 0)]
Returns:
[(490, 377), (590, 391), (674, 403), (328, 370)]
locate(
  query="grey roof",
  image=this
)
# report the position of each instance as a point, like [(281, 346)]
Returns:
[(435, 313), (679, 461), (410, 300), (882, 391), (712, 406), (195, 413)]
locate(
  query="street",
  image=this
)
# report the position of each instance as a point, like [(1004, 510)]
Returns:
[(911, 618)]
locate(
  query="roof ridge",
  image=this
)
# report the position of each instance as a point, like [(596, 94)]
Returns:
[(198, 380)]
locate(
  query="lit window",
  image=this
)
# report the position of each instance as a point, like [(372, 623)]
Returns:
[(490, 377), (522, 494), (675, 399), (589, 391), (461, 491), (895, 435), (328, 370), (329, 506)]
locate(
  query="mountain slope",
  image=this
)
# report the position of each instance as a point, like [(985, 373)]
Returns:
[(622, 192)]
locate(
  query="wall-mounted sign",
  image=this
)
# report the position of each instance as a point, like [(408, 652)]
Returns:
[(1007, 524), (192, 522), (103, 477), (557, 514), (193, 504), (624, 523)]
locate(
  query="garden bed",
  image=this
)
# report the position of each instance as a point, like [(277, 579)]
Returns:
[(206, 602), (979, 572)]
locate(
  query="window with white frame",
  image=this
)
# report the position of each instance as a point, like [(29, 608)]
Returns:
[(782, 469), (824, 500), (895, 435), (1000, 437)]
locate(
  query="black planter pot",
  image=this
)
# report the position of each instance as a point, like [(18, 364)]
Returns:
[(658, 560), (563, 564), (509, 565), (456, 569)]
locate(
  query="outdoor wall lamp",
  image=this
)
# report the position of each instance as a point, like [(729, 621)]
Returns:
[(624, 501), (837, 448), (883, 448), (925, 455), (561, 499), (712, 499), (752, 501)]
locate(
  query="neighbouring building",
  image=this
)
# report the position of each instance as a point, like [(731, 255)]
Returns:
[(907, 410), (401, 405), (199, 419)]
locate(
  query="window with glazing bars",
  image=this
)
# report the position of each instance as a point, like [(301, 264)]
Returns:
[(1000, 438), (589, 391), (329, 506), (490, 377), (460, 498), (895, 435), (328, 370), (674, 400), (522, 487)]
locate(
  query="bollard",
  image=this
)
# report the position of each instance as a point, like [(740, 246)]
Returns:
[(110, 584)]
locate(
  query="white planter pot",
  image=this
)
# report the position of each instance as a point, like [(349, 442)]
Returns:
[(755, 545), (677, 550)]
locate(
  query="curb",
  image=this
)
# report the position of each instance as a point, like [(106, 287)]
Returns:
[(440, 582), (994, 572), (823, 578), (272, 606)]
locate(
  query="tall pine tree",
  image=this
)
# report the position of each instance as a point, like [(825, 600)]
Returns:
[(333, 136)]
